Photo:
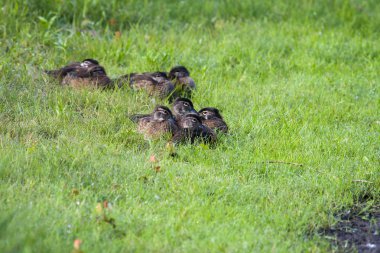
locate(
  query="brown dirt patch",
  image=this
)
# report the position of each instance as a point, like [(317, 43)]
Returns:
[(357, 230)]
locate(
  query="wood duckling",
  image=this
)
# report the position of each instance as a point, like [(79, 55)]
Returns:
[(212, 118), (156, 124), (184, 84), (183, 106), (87, 73), (155, 84), (192, 130)]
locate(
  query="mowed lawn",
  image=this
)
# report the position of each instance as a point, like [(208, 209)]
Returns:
[(298, 85)]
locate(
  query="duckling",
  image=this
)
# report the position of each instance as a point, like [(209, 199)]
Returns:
[(81, 74), (156, 124), (184, 84), (62, 72), (154, 83), (160, 77), (192, 129), (163, 80), (183, 106), (213, 119)]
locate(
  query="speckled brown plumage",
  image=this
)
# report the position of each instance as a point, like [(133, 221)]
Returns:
[(164, 82), (87, 73), (212, 118), (160, 77), (156, 124), (153, 83), (192, 130)]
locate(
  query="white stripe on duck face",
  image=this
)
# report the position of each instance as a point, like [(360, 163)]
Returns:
[(85, 64)]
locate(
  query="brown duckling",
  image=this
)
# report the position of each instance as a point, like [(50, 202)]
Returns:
[(154, 83), (72, 67), (183, 106), (184, 84), (212, 118), (192, 129), (156, 124), (81, 74), (164, 81), (160, 77)]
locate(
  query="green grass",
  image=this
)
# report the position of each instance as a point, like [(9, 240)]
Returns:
[(295, 82)]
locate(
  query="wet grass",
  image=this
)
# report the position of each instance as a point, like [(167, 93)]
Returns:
[(296, 85)]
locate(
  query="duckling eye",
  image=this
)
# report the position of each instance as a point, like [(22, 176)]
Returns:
[(186, 104), (205, 112), (193, 120)]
